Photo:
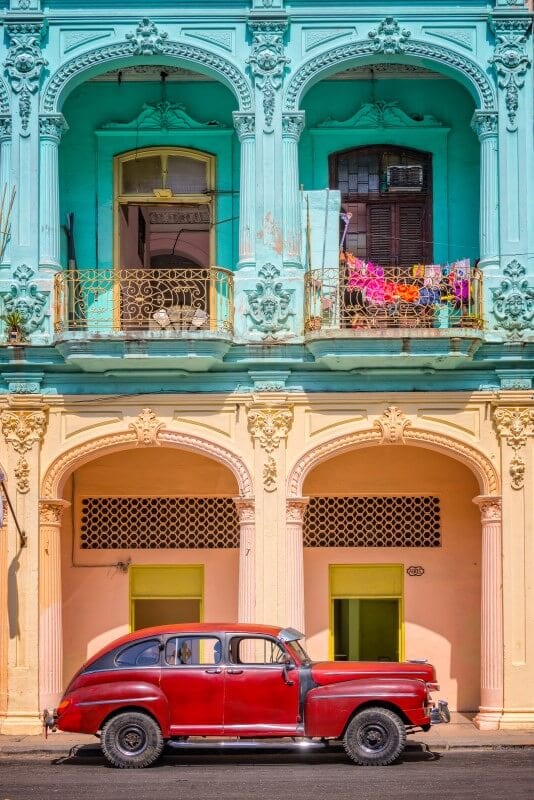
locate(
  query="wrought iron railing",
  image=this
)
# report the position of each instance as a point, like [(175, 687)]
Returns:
[(368, 296), (156, 300)]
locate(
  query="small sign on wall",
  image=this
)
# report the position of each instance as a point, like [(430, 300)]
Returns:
[(415, 572)]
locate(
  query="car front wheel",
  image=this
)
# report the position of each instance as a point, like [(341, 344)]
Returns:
[(375, 737), (131, 740)]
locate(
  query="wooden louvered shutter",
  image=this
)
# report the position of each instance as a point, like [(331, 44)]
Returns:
[(380, 233), (412, 247)]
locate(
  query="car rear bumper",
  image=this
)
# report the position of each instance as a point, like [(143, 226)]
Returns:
[(439, 713)]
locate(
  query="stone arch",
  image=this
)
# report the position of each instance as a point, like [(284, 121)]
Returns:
[(73, 72), (63, 466), (335, 59), (477, 462)]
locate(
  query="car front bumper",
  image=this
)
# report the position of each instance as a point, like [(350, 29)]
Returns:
[(439, 713)]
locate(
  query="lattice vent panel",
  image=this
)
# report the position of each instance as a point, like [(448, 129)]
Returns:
[(158, 522), (370, 521)]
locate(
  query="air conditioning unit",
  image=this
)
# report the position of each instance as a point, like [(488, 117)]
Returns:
[(405, 179)]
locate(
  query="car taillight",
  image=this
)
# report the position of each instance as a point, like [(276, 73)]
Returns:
[(64, 704), (432, 687)]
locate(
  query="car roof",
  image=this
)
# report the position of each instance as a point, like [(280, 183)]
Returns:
[(191, 628)]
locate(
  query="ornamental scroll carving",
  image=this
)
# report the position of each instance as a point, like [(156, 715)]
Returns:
[(22, 430), (267, 63), (147, 40), (24, 65), (513, 300), (147, 426), (392, 425), (270, 425), (515, 425), (25, 298), (389, 38), (269, 311), (511, 62)]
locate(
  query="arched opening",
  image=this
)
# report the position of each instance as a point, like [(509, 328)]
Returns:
[(151, 537), (392, 560)]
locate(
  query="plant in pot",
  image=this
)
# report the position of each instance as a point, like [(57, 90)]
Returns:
[(15, 327)]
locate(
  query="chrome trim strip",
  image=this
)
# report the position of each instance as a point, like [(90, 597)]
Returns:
[(117, 700)]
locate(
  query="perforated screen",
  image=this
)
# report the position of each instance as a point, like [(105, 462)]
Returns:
[(158, 522), (370, 521)]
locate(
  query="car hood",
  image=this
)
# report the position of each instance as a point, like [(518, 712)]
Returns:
[(326, 672)]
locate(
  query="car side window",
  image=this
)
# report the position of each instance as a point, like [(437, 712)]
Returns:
[(193, 650), (141, 654), (255, 650)]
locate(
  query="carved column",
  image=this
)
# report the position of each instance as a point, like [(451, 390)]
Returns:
[(50, 617), (23, 427), (296, 508), (5, 170), (245, 126), (513, 417), (485, 125), (269, 427), (246, 611), (292, 127), (4, 611), (491, 656), (51, 128)]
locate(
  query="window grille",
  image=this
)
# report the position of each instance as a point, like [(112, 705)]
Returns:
[(158, 522), (371, 521)]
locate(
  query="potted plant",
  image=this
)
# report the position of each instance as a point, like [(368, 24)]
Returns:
[(15, 330)]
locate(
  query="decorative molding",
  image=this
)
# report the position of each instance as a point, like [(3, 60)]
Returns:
[(246, 510), (389, 38), (313, 37), (51, 511), (461, 36), (52, 126), (382, 115), (72, 459), (511, 61), (485, 124), (293, 125), (347, 53), (392, 425), (26, 298), (22, 430), (296, 509), (269, 311), (23, 382), (147, 426), (270, 474), (147, 40), (475, 460), (490, 508), (24, 64), (224, 37), (245, 125), (513, 300), (228, 71), (6, 128), (163, 116), (267, 62), (515, 425), (73, 39), (269, 426)]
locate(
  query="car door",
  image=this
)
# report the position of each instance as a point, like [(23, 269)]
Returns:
[(192, 678), (261, 692)]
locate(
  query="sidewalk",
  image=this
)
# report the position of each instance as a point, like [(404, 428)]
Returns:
[(460, 733)]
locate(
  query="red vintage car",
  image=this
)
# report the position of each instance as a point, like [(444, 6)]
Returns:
[(161, 685)]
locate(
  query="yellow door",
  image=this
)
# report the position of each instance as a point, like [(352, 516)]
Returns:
[(165, 595)]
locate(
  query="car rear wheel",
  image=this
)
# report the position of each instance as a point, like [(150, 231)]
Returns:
[(375, 737), (131, 740)]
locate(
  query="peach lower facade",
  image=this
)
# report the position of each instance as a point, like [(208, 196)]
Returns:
[(467, 604)]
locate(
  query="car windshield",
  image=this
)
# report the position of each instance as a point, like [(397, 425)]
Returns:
[(299, 651)]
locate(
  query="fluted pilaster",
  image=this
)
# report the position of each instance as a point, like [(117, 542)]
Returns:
[(5, 171), (50, 615), (295, 508), (485, 125), (492, 656), (247, 555), (246, 130), (292, 126), (51, 129)]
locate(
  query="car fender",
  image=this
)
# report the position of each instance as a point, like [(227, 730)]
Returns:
[(88, 707), (328, 709)]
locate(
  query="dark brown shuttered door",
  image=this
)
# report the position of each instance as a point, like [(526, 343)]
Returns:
[(391, 228)]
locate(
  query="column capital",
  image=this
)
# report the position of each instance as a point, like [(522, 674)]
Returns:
[(490, 508), (485, 124), (51, 511), (6, 127), (245, 124), (293, 124), (246, 509), (52, 127), (296, 509)]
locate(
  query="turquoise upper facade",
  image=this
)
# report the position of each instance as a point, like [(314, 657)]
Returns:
[(179, 184)]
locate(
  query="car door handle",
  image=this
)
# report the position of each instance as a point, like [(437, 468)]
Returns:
[(234, 671), (214, 671)]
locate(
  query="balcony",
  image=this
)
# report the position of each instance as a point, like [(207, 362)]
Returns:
[(362, 315), (116, 318)]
